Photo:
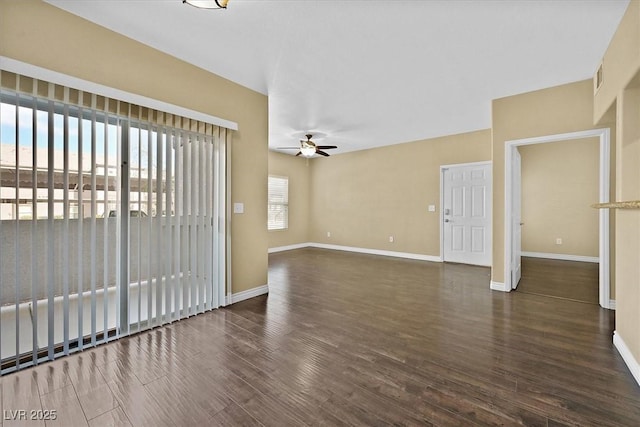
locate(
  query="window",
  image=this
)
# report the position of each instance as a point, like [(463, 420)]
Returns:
[(278, 208)]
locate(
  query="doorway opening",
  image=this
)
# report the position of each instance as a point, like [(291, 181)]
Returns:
[(513, 220), (557, 278), (559, 182)]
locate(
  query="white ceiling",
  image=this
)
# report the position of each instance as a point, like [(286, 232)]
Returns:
[(373, 73)]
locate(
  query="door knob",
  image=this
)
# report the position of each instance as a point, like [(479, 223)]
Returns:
[(447, 220)]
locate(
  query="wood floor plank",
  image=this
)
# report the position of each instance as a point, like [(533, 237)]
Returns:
[(233, 416), (51, 376), (64, 402), (140, 407), (194, 411), (20, 395), (97, 401), (113, 418), (303, 400), (265, 408), (83, 373)]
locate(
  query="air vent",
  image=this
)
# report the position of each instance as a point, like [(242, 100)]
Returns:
[(598, 79)]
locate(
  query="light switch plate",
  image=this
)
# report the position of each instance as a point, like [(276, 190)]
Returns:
[(432, 208), (238, 208)]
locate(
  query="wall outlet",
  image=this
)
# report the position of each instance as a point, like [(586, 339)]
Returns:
[(558, 241), (328, 234), (238, 208), (390, 239), (432, 208)]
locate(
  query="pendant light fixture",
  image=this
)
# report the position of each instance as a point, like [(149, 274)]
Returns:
[(207, 4)]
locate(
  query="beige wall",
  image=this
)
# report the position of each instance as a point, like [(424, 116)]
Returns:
[(556, 110), (621, 61), (628, 221), (560, 181), (68, 44), (297, 170), (620, 94), (364, 197)]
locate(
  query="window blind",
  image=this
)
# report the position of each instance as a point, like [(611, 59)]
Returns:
[(113, 219), (278, 203)]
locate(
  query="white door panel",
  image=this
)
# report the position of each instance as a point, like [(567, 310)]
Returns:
[(477, 174), (477, 239), (457, 238), (467, 214), (457, 203), (478, 201), (517, 220)]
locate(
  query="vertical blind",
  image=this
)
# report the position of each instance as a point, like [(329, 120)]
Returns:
[(113, 219), (278, 203)]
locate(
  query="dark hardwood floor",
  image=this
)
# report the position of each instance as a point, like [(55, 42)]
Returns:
[(572, 280), (352, 339)]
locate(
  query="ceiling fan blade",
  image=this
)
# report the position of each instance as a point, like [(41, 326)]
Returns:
[(299, 152), (287, 148), (322, 153), (327, 147)]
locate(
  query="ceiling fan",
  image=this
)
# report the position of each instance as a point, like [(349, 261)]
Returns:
[(308, 148)]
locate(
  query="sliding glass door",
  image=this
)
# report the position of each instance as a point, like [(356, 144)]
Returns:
[(112, 219)]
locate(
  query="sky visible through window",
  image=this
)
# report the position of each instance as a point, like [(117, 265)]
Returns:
[(138, 137)]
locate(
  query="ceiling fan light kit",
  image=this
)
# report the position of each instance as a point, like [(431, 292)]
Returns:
[(308, 148), (207, 4)]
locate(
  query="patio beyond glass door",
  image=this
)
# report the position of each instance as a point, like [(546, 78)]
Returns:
[(112, 219)]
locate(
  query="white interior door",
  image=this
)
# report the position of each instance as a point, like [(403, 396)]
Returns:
[(516, 262), (467, 214)]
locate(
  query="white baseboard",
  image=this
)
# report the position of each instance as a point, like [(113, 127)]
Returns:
[(562, 257), (498, 286), (396, 254), (626, 354), (249, 293), (407, 255), (289, 247), (612, 304)]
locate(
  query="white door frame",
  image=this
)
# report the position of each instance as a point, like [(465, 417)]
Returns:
[(442, 169), (604, 135)]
